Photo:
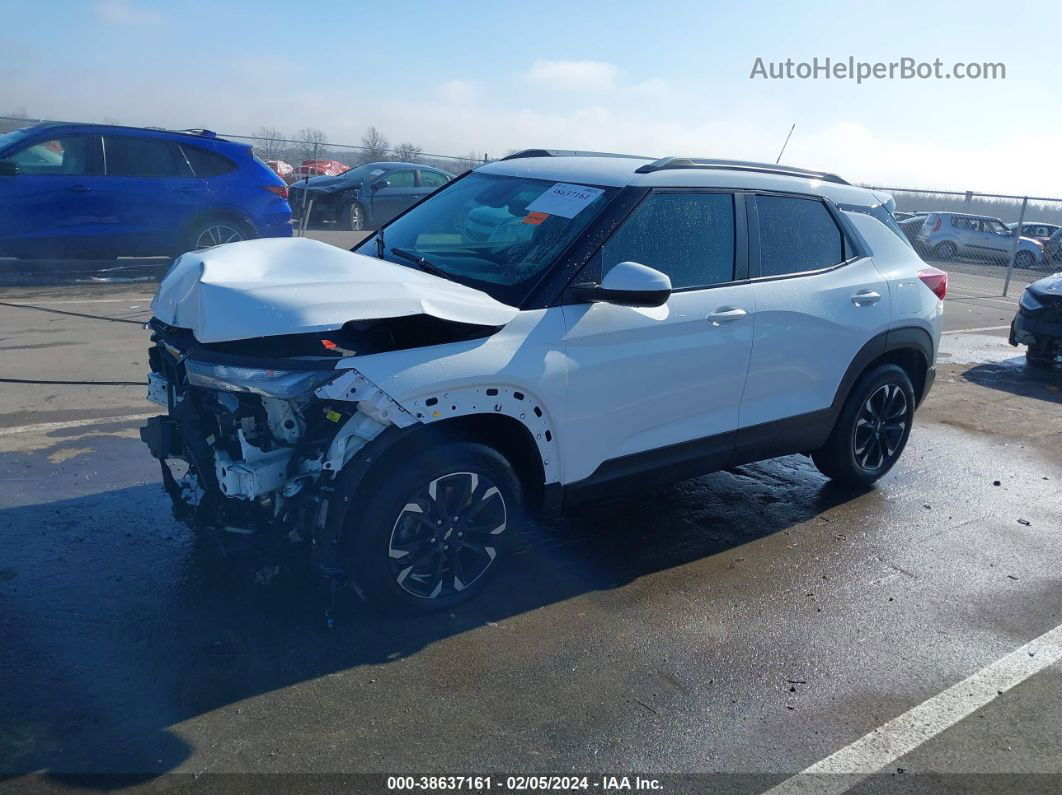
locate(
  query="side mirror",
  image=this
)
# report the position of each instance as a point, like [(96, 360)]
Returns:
[(628, 284), (383, 183), (8, 168)]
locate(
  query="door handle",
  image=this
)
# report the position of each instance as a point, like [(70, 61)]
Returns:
[(866, 297), (79, 188), (726, 314)]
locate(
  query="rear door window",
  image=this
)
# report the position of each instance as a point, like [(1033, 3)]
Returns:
[(432, 179), (797, 235), (688, 236), (128, 156)]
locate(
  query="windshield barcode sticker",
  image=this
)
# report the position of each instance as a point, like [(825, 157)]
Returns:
[(564, 200)]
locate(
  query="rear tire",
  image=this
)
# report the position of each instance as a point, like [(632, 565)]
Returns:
[(945, 250), (217, 231), (408, 547), (872, 429)]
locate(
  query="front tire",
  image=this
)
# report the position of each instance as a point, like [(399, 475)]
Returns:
[(872, 429), (433, 531), (1039, 355), (1024, 260), (352, 218)]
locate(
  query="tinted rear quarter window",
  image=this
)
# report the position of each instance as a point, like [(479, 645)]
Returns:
[(797, 235), (688, 236), (127, 156), (207, 164)]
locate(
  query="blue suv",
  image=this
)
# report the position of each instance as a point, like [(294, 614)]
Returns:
[(91, 190)]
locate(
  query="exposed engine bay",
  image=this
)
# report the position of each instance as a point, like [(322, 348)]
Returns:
[(249, 451)]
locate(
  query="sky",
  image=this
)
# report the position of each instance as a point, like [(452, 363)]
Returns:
[(661, 78)]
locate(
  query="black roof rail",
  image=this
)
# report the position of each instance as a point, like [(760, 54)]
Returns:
[(667, 163), (567, 153)]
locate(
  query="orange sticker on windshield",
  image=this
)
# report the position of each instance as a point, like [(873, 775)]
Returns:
[(535, 218)]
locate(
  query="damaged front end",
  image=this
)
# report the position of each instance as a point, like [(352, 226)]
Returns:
[(250, 447)]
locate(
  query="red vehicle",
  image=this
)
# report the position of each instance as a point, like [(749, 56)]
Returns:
[(285, 171), (321, 168)]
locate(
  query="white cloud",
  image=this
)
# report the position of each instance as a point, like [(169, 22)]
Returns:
[(459, 116), (126, 12), (459, 92), (575, 75), (654, 87)]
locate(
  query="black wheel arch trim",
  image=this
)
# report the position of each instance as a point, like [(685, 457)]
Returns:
[(903, 338)]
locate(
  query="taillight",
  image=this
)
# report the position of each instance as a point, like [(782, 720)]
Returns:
[(935, 280), (936, 224), (279, 190)]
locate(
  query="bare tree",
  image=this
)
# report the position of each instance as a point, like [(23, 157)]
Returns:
[(407, 153), (375, 146), (311, 144), (269, 143)]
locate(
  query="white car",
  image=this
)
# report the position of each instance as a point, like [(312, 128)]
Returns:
[(401, 408)]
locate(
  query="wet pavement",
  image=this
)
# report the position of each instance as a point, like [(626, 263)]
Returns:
[(741, 626)]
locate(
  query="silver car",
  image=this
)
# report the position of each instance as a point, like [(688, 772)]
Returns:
[(982, 237)]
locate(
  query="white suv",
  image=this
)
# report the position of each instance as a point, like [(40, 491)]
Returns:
[(547, 329)]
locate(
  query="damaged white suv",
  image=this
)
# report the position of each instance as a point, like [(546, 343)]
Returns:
[(547, 329)]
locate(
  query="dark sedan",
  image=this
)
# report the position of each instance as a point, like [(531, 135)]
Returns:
[(366, 196)]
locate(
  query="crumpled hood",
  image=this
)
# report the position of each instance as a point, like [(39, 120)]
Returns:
[(1049, 285), (327, 184), (272, 286)]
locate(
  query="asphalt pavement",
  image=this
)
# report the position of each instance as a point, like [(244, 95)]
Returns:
[(750, 629)]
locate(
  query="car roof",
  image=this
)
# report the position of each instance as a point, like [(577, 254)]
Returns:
[(198, 134), (392, 164), (966, 215), (619, 171)]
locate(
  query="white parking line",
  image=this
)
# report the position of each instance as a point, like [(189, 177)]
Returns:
[(854, 763), (134, 299), (46, 427), (973, 330)]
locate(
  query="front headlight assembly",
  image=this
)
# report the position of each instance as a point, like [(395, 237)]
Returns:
[(283, 384), (1028, 301)]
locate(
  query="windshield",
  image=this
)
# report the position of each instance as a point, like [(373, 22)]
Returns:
[(882, 214), (497, 234)]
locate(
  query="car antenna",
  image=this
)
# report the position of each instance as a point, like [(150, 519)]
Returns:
[(778, 159)]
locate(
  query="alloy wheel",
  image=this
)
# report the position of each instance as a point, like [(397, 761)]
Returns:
[(217, 234), (444, 537), (880, 427), (357, 218)]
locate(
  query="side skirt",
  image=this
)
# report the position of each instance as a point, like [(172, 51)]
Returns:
[(640, 471)]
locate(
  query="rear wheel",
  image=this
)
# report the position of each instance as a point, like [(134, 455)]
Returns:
[(216, 232), (872, 429), (431, 533), (945, 250)]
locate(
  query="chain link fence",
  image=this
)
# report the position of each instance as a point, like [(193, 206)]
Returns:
[(971, 235)]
